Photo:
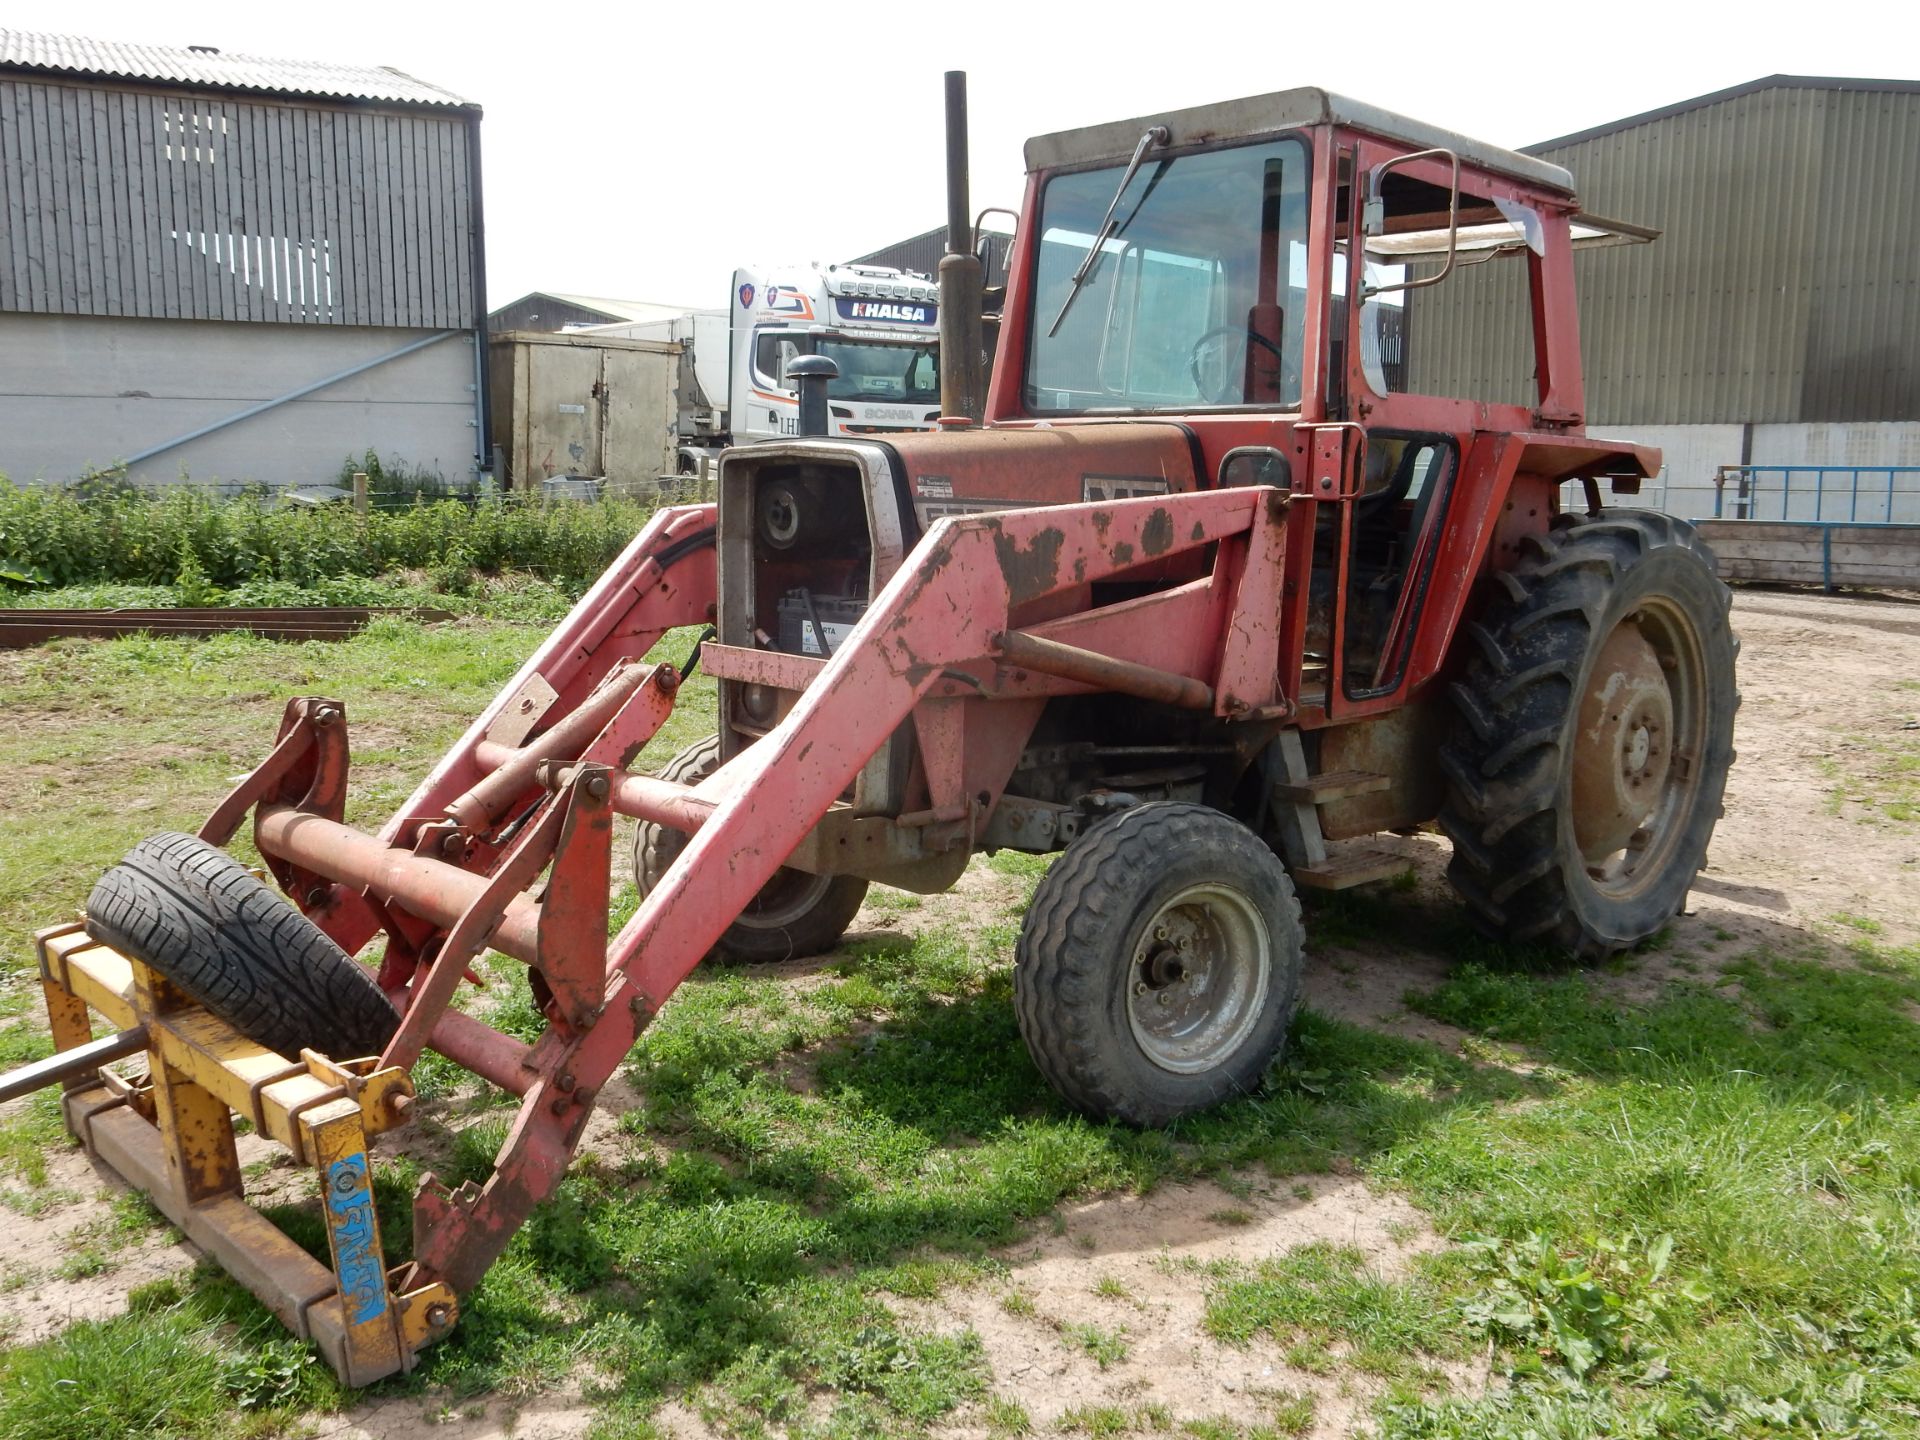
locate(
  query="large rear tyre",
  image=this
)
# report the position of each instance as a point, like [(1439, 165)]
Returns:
[(1159, 965), (795, 915), (1593, 733), (197, 917)]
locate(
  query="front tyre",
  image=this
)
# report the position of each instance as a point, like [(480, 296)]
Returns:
[(794, 915), (1593, 734), (1159, 965)]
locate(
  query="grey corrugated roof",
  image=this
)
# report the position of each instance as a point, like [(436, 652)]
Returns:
[(204, 68), (1732, 92)]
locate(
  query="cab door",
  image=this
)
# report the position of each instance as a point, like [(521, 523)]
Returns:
[(1394, 518)]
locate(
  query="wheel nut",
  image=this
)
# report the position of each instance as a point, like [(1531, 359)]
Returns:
[(439, 1316)]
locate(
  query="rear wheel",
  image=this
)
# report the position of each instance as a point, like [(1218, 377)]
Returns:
[(1159, 964), (239, 950), (1594, 732), (794, 915)]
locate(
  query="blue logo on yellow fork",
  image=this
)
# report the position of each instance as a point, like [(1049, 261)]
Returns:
[(356, 1248)]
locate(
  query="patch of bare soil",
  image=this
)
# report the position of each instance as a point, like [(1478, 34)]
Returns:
[(560, 1414), (36, 1298), (1137, 1267), (1814, 671)]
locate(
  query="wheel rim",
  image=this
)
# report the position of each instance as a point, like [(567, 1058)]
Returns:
[(1638, 745), (1197, 979), (784, 900)]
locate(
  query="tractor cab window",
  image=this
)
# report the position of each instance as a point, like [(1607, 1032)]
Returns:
[(1195, 299), (1430, 326)]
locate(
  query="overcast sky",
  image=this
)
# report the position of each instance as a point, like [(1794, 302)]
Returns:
[(643, 150)]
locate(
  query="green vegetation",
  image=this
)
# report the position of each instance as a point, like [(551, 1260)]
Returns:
[(252, 551), (1876, 779), (1692, 1217)]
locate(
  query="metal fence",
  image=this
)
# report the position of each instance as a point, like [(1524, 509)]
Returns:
[(1850, 494)]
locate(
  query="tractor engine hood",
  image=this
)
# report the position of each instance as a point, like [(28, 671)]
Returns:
[(969, 471)]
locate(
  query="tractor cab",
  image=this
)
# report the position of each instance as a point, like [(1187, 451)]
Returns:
[(1311, 288)]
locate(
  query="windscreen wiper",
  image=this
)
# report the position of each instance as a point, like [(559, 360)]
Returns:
[(1158, 135)]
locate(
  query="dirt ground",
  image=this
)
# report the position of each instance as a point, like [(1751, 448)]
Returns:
[(1828, 685)]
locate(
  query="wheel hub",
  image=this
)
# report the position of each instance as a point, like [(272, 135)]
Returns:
[(1623, 744), (1198, 979)]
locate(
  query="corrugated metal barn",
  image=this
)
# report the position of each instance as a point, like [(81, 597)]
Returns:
[(239, 268), (546, 311), (1775, 321), (921, 254)]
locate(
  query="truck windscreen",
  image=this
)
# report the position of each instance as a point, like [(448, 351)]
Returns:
[(882, 370)]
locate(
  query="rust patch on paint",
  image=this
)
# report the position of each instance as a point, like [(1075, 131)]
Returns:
[(1199, 531), (1034, 570), (1157, 537), (1122, 553)]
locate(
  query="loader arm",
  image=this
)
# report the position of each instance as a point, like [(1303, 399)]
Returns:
[(949, 606)]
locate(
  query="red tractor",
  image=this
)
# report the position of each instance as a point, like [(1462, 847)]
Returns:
[(1200, 593)]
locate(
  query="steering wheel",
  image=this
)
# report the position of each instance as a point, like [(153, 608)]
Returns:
[(1223, 393)]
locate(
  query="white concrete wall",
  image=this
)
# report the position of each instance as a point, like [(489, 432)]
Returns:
[(80, 393), (1694, 452)]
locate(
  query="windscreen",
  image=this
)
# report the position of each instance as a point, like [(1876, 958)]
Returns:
[(1196, 298), (882, 370)]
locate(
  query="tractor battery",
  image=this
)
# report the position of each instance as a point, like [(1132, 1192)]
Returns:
[(836, 616)]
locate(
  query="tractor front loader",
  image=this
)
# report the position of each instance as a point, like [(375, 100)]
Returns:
[(1204, 594)]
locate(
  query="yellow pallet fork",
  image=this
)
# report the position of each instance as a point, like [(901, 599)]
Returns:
[(170, 1135)]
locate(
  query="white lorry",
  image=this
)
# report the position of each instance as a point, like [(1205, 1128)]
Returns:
[(879, 325)]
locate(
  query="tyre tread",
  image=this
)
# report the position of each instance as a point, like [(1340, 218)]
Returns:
[(200, 919)]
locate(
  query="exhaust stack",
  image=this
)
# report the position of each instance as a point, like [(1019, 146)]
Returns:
[(963, 381)]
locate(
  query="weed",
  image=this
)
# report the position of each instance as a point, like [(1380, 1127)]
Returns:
[(1095, 1420), (1006, 1418), (1107, 1347), (1579, 1310), (1293, 1412), (1107, 1287), (1232, 1215), (1019, 1304), (1325, 1293)]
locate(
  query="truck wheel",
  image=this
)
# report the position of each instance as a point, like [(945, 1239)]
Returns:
[(794, 915), (1159, 965), (1594, 730), (239, 950)]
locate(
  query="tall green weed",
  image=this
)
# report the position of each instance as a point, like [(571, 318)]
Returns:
[(99, 535)]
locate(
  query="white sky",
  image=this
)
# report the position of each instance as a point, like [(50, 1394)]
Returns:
[(643, 150)]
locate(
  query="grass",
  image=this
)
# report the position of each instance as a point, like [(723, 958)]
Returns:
[(1693, 1217), (1874, 779)]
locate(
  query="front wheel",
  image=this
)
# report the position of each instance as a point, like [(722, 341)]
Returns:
[(794, 915), (1159, 965)]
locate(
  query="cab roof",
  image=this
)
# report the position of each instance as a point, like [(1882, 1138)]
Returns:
[(1261, 115)]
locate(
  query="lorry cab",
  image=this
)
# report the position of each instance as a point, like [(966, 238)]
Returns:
[(880, 327)]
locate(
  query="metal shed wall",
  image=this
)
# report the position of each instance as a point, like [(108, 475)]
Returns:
[(172, 204), (1785, 287)]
